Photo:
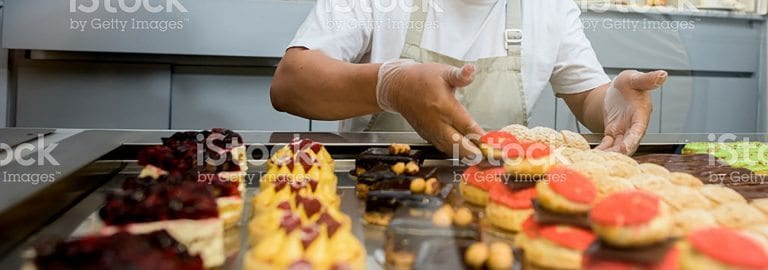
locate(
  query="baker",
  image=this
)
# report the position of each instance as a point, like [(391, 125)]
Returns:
[(450, 69)]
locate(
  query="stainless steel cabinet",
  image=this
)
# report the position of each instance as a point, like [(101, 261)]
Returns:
[(710, 104), (93, 95), (236, 98)]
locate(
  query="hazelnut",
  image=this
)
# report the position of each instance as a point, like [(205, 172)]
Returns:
[(398, 168), (362, 191), (433, 187), (463, 217), (476, 255), (500, 256), (418, 185), (411, 168), (359, 171), (399, 149), (443, 217)]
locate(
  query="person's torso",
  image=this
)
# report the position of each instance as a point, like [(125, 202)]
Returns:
[(456, 28)]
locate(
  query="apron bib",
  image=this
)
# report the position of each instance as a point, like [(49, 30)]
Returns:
[(495, 98)]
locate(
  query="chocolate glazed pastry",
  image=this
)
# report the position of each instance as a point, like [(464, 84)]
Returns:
[(545, 216), (713, 171), (376, 156), (382, 177), (648, 255), (380, 206)]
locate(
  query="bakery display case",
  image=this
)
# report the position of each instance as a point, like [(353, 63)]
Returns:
[(372, 201)]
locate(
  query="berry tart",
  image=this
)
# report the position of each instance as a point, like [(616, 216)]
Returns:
[(187, 211), (154, 250)]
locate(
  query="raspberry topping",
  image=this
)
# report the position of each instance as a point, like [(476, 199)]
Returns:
[(483, 179), (519, 199), (331, 224), (290, 222), (159, 202), (570, 237), (572, 185), (300, 265), (534, 150), (498, 139), (531, 227), (730, 247), (626, 208)]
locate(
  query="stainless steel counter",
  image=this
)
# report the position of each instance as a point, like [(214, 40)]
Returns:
[(89, 160)]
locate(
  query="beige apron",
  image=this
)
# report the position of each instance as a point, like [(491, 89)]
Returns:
[(495, 99)]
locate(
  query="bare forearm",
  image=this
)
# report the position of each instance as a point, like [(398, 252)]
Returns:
[(588, 107), (310, 84)]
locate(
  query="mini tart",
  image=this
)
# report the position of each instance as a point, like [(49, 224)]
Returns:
[(493, 143), (670, 262), (721, 248), (529, 159), (280, 251), (508, 209), (631, 219), (477, 182), (555, 246), (566, 191)]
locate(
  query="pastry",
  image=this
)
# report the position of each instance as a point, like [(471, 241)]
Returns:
[(689, 220), (738, 215), (494, 143), (760, 204), (553, 246), (684, 179), (187, 211), (759, 233), (154, 250), (566, 191), (408, 238), (574, 140), (380, 206), (608, 185), (621, 169), (530, 159), (613, 156), (382, 177), (508, 209), (654, 169), (719, 194), (650, 182), (548, 136), (721, 248), (563, 155), (681, 198), (477, 181), (520, 132), (589, 155), (591, 169), (655, 258), (397, 153), (308, 247), (631, 219)]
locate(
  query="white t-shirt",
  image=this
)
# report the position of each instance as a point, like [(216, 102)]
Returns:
[(555, 48)]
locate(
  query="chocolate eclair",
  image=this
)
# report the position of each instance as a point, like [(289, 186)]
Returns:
[(396, 153), (380, 206), (382, 177)]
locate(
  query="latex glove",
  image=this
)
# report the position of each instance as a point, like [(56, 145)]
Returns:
[(627, 109), (423, 95)]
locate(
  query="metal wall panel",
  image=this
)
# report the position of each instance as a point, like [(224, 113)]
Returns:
[(236, 98), (713, 44), (220, 27), (325, 126), (92, 95), (3, 78), (716, 105)]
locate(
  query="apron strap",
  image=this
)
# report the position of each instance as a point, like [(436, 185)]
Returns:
[(417, 22), (513, 35)]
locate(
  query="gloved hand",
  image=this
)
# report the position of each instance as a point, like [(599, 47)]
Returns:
[(423, 95), (627, 109)]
